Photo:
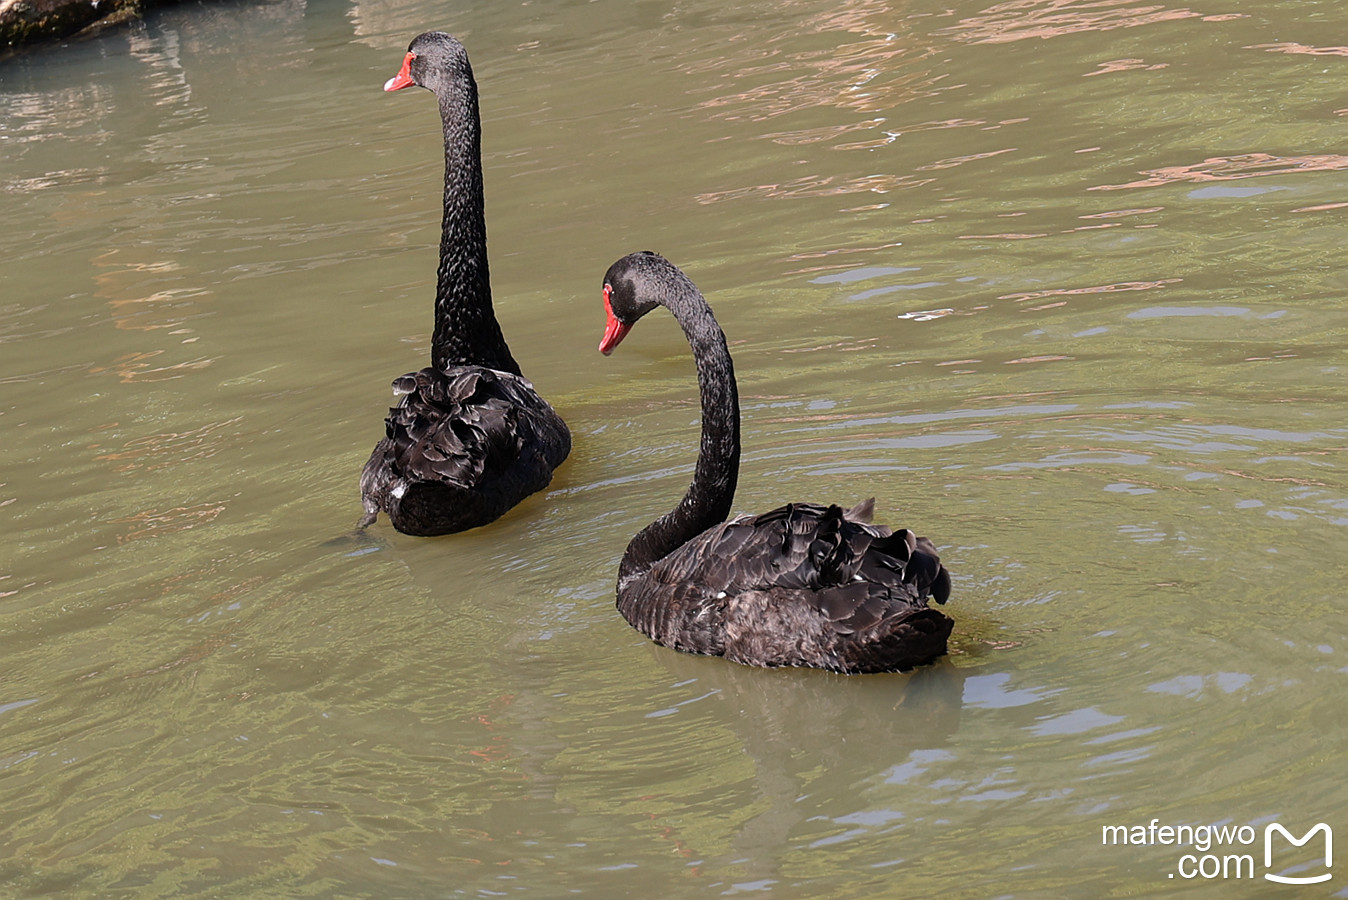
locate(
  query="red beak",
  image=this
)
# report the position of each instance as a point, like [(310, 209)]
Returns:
[(404, 77), (614, 331)]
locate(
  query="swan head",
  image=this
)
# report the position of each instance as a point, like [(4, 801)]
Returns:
[(633, 286), (433, 60)]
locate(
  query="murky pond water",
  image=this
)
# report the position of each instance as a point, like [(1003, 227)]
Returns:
[(1059, 282)]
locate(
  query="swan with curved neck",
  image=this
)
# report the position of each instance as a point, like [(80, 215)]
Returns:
[(802, 585), (470, 438)]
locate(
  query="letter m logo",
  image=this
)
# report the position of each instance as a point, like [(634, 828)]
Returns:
[(1298, 842)]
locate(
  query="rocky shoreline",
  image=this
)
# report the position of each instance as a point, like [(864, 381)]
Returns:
[(25, 22)]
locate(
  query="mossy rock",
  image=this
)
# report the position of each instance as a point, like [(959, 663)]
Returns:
[(27, 21)]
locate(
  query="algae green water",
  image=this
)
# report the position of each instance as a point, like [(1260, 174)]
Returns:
[(1059, 282)]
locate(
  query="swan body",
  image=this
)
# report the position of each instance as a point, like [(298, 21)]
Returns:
[(464, 446), (470, 437), (801, 585)]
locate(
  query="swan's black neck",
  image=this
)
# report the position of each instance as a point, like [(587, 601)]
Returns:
[(466, 330), (709, 498)]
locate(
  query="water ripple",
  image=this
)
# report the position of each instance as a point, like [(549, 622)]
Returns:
[(1231, 168)]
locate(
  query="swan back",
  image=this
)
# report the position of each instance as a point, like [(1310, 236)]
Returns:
[(460, 449), (801, 585)]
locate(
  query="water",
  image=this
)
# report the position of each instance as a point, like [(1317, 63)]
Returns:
[(1059, 283)]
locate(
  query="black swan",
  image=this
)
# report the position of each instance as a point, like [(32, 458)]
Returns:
[(469, 438), (802, 585)]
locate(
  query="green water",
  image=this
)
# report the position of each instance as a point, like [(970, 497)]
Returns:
[(1059, 283)]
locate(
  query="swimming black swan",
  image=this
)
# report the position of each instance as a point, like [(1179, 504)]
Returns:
[(803, 585), (469, 438)]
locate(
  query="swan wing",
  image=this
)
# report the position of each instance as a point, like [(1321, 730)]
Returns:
[(808, 546), (802, 584)]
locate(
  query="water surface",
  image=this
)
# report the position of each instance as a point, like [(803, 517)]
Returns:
[(1059, 283)]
